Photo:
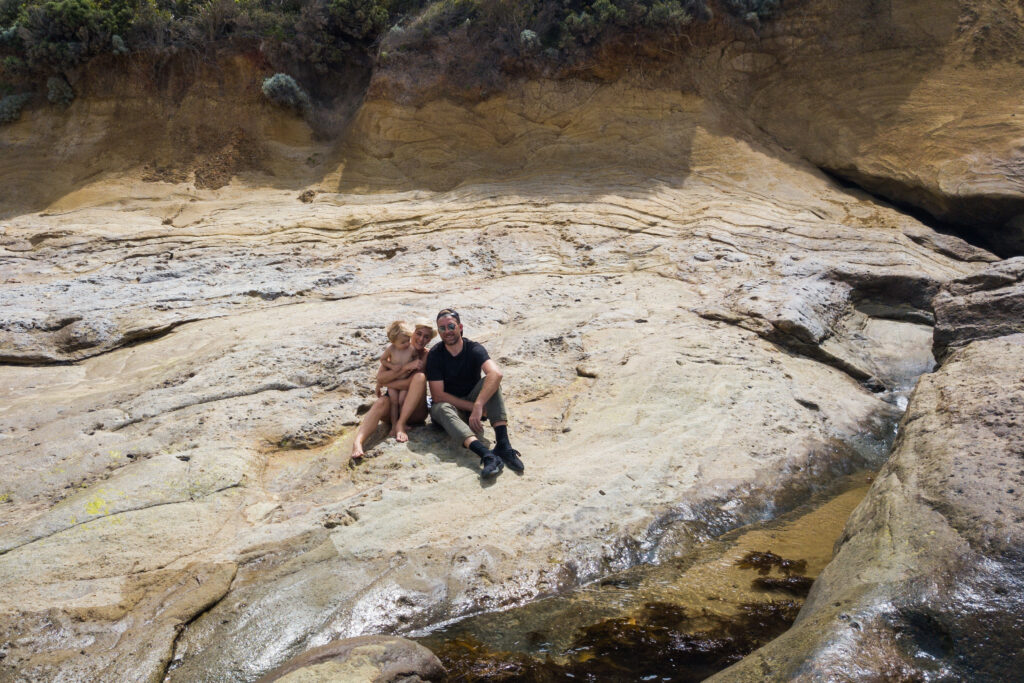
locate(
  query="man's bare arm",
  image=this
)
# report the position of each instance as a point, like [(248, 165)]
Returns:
[(492, 380)]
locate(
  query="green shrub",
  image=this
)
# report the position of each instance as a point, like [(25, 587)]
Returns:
[(325, 42), (282, 89), (9, 37), (671, 15), (62, 33), (58, 91), (9, 11), (359, 18), (752, 11), (598, 20), (558, 30), (443, 16), (11, 106)]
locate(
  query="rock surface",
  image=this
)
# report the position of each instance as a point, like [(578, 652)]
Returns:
[(697, 327), (926, 583), (373, 659), (912, 100), (885, 96), (185, 369), (988, 304), (866, 91)]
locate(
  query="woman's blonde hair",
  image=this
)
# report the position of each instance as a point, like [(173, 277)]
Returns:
[(399, 328), (422, 323)]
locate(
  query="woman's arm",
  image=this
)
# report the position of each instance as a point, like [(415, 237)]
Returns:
[(387, 376)]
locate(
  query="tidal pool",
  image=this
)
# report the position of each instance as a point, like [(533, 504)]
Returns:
[(682, 620)]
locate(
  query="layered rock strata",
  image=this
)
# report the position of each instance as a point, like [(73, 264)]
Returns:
[(987, 304), (911, 99), (185, 368)]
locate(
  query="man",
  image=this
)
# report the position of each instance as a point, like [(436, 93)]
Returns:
[(460, 396)]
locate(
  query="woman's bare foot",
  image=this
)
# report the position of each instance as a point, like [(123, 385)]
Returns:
[(357, 451), (393, 432), (400, 435)]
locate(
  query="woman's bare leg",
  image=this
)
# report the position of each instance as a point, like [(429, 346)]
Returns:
[(377, 412), (415, 406), (395, 398)]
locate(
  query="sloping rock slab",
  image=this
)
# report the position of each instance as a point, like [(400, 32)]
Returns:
[(980, 306), (375, 659), (927, 583)]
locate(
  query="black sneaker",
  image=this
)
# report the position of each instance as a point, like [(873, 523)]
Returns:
[(492, 466), (511, 458)]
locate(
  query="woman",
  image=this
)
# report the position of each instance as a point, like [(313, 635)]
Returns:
[(410, 378)]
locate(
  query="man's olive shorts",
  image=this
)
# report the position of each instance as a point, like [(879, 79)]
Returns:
[(456, 422)]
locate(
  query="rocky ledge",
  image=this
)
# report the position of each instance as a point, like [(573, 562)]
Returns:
[(927, 580)]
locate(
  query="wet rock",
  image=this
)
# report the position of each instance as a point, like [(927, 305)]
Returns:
[(986, 304), (374, 659), (926, 582), (127, 639)]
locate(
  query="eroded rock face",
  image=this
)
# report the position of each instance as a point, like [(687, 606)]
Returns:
[(988, 304), (927, 580), (184, 378), (913, 100)]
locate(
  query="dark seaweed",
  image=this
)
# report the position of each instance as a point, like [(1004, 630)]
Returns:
[(763, 563), (661, 642), (798, 586)]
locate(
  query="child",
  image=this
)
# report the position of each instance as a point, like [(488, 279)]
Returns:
[(414, 406), (395, 356)]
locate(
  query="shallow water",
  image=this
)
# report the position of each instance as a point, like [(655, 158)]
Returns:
[(681, 620)]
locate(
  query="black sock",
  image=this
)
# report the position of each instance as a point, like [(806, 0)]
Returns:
[(478, 447), (501, 437)]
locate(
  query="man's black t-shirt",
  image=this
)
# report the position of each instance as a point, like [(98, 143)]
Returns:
[(460, 373)]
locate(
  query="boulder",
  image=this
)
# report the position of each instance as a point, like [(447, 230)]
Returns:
[(371, 659)]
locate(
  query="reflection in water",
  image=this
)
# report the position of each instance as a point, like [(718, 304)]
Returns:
[(682, 620)]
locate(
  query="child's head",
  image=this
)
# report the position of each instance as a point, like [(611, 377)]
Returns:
[(400, 333)]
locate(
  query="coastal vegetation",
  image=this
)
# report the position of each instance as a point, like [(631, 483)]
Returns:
[(43, 41)]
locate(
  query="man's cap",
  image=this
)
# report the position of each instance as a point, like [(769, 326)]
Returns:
[(445, 312)]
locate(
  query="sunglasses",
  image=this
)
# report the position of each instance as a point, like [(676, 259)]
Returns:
[(449, 327)]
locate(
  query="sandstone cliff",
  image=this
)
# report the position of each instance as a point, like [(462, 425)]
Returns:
[(196, 285)]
